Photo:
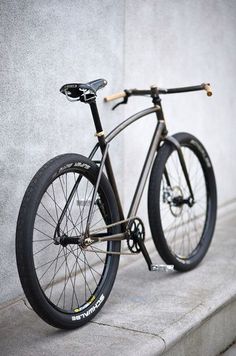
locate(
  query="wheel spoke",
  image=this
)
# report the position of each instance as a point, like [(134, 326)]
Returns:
[(69, 276), (183, 225)]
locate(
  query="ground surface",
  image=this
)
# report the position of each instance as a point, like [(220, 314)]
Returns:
[(147, 313)]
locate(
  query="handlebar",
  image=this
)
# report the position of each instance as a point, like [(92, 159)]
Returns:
[(137, 92)]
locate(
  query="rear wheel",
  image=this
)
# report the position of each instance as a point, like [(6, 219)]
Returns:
[(181, 229), (66, 283)]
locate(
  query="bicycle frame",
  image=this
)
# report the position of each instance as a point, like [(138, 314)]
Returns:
[(160, 134)]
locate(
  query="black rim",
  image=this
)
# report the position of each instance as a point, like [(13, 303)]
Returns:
[(183, 226), (70, 278)]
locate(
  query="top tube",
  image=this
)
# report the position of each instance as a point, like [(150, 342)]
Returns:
[(129, 121)]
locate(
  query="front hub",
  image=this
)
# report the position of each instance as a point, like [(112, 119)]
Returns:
[(175, 199)]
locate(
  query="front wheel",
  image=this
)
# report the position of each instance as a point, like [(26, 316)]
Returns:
[(182, 230), (65, 282)]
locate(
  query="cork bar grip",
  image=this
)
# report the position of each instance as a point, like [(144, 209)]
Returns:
[(115, 96)]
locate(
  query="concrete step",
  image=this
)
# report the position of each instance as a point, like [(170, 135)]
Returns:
[(148, 313), (231, 351)]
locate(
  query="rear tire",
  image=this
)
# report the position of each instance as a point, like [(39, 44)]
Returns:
[(182, 234), (66, 285)]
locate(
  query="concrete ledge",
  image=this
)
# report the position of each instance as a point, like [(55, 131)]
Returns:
[(207, 330), (147, 313), (226, 210)]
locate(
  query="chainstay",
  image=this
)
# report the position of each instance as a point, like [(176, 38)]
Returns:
[(111, 252), (113, 224)]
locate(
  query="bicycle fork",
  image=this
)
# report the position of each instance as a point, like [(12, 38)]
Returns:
[(190, 200)]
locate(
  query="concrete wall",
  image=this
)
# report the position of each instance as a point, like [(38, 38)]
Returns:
[(180, 43), (130, 43), (46, 44)]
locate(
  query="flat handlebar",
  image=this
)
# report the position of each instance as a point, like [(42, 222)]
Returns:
[(137, 92)]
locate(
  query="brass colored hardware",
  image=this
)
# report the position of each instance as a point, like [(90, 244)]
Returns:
[(99, 134), (208, 89)]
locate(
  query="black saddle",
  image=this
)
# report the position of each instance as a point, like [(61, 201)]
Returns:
[(76, 90)]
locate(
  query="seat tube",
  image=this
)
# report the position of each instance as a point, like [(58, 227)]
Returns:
[(102, 143), (98, 124)]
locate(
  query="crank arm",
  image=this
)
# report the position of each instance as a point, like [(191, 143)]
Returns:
[(145, 253), (151, 266)]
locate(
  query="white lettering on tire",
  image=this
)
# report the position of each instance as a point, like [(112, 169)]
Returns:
[(90, 311)]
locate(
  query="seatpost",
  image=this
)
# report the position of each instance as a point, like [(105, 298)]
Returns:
[(98, 124)]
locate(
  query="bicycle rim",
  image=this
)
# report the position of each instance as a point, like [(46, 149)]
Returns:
[(69, 277)]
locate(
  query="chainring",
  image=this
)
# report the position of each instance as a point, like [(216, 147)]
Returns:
[(136, 232)]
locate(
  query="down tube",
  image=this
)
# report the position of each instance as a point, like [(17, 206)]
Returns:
[(146, 168)]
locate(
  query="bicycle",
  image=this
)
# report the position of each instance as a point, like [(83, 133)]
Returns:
[(71, 222)]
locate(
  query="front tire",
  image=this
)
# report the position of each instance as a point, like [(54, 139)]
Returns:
[(182, 234)]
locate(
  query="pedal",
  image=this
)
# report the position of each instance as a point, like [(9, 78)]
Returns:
[(162, 268)]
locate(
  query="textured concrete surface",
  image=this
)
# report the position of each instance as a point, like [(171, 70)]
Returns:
[(147, 313), (131, 44), (231, 351), (180, 43), (43, 46)]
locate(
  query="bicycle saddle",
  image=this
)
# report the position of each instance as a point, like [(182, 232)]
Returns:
[(75, 90)]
